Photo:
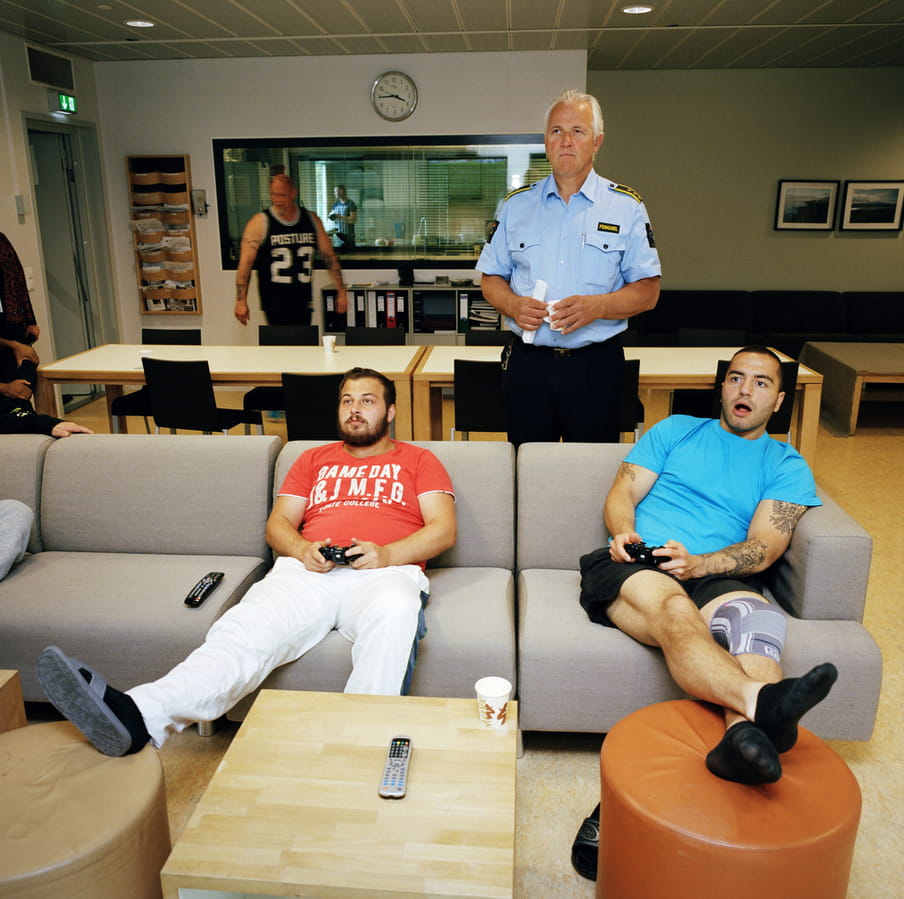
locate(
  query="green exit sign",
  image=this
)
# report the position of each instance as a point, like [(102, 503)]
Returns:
[(62, 102)]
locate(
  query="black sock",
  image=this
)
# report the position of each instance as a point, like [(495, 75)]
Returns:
[(780, 706), (745, 756), (123, 706)]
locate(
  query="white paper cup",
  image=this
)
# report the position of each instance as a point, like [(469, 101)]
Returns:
[(329, 343), (493, 694)]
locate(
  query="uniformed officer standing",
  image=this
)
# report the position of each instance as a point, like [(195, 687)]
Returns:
[(590, 241), (279, 244)]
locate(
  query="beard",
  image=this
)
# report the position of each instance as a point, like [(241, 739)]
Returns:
[(366, 436)]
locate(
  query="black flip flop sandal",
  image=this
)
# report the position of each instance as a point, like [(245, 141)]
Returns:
[(82, 701), (586, 846)]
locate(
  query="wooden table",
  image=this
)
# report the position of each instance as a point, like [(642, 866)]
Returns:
[(12, 708), (293, 807), (661, 368), (114, 365), (847, 368)]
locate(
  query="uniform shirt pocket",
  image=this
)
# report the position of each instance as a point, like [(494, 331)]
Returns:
[(602, 262)]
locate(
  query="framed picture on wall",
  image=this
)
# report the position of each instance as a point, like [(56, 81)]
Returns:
[(872, 206), (806, 205)]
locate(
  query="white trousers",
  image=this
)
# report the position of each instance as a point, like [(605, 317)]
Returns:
[(280, 618)]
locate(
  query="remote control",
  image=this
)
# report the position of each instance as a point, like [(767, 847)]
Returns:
[(203, 588), (395, 774)]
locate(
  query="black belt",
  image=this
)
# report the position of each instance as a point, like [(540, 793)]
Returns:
[(560, 352)]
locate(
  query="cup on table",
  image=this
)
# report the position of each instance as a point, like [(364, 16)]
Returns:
[(493, 695), (329, 343)]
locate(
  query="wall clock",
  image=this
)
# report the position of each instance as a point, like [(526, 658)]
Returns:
[(394, 96)]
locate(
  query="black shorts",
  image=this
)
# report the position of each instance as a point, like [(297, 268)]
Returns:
[(602, 579)]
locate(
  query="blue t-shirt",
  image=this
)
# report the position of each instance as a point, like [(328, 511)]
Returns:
[(711, 481)]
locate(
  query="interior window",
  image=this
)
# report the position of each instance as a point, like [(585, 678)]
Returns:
[(424, 197)]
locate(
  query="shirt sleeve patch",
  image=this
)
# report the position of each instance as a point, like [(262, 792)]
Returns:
[(650, 239), (628, 191)]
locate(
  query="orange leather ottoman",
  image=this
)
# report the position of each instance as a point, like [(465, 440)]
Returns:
[(77, 823), (670, 828)]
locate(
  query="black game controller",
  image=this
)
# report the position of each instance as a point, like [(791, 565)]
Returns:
[(338, 555), (643, 553)]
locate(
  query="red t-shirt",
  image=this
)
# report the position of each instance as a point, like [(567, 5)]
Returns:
[(373, 498)]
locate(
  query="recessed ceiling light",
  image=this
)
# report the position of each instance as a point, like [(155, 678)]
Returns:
[(139, 23), (636, 10)]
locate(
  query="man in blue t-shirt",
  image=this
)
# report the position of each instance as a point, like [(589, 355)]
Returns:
[(720, 499)]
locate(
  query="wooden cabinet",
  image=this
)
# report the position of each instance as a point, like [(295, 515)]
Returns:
[(163, 235)]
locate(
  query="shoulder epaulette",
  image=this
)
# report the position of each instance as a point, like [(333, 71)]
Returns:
[(517, 190), (624, 189)]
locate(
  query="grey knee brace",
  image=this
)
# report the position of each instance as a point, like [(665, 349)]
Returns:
[(750, 625)]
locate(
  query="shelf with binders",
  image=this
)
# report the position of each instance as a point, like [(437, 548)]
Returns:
[(368, 307), (441, 311)]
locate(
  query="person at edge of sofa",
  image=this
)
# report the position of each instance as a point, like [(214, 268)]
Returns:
[(391, 503), (719, 500), (16, 518)]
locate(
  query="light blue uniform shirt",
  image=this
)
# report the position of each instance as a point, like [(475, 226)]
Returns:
[(596, 243)]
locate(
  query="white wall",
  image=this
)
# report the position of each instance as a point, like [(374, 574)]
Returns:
[(179, 107), (706, 149)]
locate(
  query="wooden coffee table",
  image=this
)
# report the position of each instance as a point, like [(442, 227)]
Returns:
[(293, 807)]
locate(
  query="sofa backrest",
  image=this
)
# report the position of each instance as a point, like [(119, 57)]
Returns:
[(875, 312), (179, 494), (21, 469), (561, 489), (483, 476)]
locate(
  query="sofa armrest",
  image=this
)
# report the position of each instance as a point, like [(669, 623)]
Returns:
[(825, 571)]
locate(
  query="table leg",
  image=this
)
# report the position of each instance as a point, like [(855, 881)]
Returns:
[(421, 396), (810, 400), (112, 392), (45, 397), (403, 423)]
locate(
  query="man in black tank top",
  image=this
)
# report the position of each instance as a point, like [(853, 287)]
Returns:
[(280, 245)]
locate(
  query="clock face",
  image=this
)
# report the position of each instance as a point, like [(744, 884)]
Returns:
[(394, 96)]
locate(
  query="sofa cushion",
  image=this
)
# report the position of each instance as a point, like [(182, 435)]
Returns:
[(136, 493), (21, 470), (563, 482), (470, 632), (875, 312), (121, 613), (797, 311)]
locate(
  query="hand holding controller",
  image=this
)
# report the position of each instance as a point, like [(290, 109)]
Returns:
[(338, 555), (640, 552)]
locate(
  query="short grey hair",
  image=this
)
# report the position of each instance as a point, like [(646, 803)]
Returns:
[(575, 96)]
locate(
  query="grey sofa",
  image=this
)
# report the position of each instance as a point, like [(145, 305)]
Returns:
[(471, 613), (126, 524), (575, 675)]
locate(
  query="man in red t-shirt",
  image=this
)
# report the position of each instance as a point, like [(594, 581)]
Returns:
[(389, 503)]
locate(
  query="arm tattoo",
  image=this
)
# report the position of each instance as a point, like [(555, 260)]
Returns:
[(744, 557), (626, 470), (785, 516)]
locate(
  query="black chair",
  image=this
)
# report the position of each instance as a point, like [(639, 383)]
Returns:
[(631, 411), (271, 398), (488, 337), (181, 395), (137, 402), (311, 404), (707, 404), (478, 403), (374, 336)]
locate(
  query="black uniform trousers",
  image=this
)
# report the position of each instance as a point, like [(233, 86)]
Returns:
[(559, 394)]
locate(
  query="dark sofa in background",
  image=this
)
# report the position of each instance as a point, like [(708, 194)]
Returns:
[(784, 319)]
